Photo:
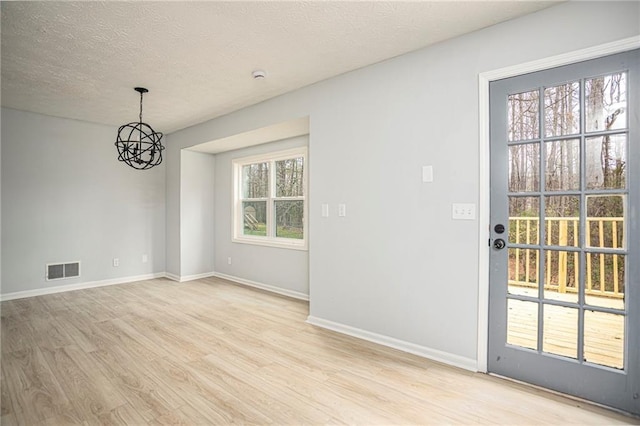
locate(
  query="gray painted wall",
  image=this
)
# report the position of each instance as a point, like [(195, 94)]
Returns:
[(283, 268), (172, 208), (1, 206), (197, 238), (65, 197), (397, 265)]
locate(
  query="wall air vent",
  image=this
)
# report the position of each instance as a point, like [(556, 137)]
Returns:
[(60, 271)]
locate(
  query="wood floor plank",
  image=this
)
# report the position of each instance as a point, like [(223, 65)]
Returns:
[(48, 333), (278, 401), (67, 416), (123, 415), (150, 349), (35, 393), (17, 333), (325, 397), (8, 419), (138, 387), (211, 397), (212, 352), (6, 404), (74, 329), (119, 338), (165, 337), (90, 392)]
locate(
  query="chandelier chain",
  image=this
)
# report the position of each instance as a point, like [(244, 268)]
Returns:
[(141, 94)]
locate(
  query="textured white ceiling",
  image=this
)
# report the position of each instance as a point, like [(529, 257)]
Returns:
[(81, 60)]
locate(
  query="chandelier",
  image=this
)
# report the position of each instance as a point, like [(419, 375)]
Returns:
[(138, 144)]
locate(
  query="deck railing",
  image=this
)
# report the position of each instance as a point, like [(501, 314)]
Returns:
[(604, 271)]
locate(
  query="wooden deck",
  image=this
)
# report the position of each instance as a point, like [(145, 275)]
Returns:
[(604, 333)]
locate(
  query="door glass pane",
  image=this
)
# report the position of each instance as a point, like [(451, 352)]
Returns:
[(255, 180), (604, 339), (524, 167), (289, 219), (254, 218), (562, 219), (523, 220), (606, 102), (562, 167), (523, 116), (560, 331), (562, 110), (522, 323), (523, 271), (605, 280), (605, 221), (561, 275), (289, 177), (606, 158)]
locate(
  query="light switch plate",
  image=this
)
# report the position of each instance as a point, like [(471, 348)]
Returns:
[(427, 173), (325, 210), (342, 210), (463, 211)]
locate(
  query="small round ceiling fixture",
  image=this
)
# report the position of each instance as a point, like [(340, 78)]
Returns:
[(258, 74)]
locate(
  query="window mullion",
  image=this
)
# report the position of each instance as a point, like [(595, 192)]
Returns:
[(271, 215)]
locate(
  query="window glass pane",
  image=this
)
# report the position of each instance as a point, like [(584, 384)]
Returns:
[(606, 102), (523, 271), (606, 158), (605, 280), (562, 217), (289, 219), (522, 323), (523, 116), (524, 167), (254, 216), (255, 180), (289, 177), (605, 221), (562, 109), (562, 168), (604, 338), (560, 330), (561, 275), (524, 220)]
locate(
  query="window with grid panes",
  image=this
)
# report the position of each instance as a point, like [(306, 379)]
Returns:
[(270, 204)]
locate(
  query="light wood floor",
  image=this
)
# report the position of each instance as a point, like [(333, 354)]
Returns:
[(211, 352)]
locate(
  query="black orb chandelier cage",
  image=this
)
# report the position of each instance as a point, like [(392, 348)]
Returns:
[(138, 144)]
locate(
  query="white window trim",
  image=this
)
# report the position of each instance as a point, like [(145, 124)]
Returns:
[(237, 223)]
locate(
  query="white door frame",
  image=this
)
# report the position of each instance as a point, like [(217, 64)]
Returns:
[(483, 155)]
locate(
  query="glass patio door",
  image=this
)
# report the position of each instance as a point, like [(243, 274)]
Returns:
[(565, 232)]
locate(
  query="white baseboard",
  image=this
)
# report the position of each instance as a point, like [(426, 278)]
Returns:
[(78, 286), (412, 348), (172, 277), (196, 276), (185, 278), (283, 291)]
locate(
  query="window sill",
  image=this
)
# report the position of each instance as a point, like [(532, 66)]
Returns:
[(275, 243)]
